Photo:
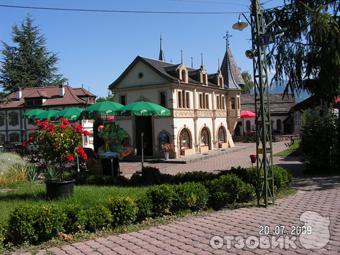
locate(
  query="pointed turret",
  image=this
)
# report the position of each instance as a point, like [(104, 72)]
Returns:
[(230, 71), (161, 54)]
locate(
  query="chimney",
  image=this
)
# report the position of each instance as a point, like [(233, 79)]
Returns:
[(18, 94), (61, 90)]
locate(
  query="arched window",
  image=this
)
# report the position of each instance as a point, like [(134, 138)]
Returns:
[(184, 76), (13, 118), (185, 139), (205, 137), (278, 125), (222, 135)]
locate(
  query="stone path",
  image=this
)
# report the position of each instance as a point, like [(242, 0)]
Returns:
[(193, 235), (220, 162)]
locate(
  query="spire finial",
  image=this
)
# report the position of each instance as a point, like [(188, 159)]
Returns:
[(192, 62), (161, 54), (201, 60), (218, 65), (181, 56), (226, 37)]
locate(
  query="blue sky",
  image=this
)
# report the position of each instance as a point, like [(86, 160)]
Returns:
[(94, 49)]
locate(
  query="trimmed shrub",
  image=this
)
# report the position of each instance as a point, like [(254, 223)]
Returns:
[(74, 222), (224, 190), (247, 192), (35, 224), (161, 198), (124, 211), (95, 218), (199, 176), (190, 195), (282, 178), (144, 208)]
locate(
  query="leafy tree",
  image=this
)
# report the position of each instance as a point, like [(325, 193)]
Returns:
[(248, 82), (28, 63), (308, 53)]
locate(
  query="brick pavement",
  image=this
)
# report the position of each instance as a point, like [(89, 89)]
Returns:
[(220, 162), (192, 234)]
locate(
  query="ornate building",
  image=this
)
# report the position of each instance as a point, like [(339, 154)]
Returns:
[(204, 107)]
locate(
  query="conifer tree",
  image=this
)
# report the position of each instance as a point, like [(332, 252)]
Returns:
[(28, 63)]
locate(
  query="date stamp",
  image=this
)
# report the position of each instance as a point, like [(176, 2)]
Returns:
[(282, 230)]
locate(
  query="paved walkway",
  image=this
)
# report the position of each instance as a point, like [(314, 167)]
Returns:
[(220, 162), (317, 202)]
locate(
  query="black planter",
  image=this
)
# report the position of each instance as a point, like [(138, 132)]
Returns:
[(57, 189)]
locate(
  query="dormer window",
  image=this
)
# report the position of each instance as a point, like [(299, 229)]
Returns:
[(220, 81), (204, 79), (183, 75)]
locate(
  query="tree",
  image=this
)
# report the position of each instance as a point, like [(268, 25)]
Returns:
[(248, 82), (308, 53), (28, 63)]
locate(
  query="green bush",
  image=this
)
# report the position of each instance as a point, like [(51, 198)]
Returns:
[(161, 198), (198, 176), (282, 178), (190, 195), (224, 190), (75, 221), (95, 218), (247, 192), (144, 208), (35, 224), (124, 211)]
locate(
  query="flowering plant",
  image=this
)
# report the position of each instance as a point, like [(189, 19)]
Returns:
[(167, 147), (58, 144)]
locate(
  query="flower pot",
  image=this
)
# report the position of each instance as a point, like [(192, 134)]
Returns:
[(57, 189), (166, 155)]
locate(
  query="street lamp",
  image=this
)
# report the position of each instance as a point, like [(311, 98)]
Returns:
[(264, 156)]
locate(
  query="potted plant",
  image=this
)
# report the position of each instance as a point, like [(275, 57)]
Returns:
[(167, 148), (58, 146)]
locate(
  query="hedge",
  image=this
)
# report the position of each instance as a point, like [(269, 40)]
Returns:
[(36, 223)]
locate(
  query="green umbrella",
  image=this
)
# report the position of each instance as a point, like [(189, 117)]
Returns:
[(142, 108), (32, 113), (71, 113), (49, 114), (105, 107)]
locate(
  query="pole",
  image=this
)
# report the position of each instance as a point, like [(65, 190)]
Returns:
[(263, 123), (142, 142)]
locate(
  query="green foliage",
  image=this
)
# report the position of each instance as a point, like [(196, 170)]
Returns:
[(308, 53), (161, 198), (35, 224), (124, 211), (224, 190), (75, 221), (15, 175), (291, 151), (28, 63), (247, 192), (249, 84), (320, 141), (9, 159), (144, 208), (94, 218), (113, 135), (282, 178), (193, 196)]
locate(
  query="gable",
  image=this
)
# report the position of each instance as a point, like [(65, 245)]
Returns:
[(140, 75)]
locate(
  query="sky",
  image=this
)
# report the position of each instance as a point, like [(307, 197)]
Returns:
[(95, 48)]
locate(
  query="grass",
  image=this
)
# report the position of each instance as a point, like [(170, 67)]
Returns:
[(292, 150), (8, 160), (34, 193)]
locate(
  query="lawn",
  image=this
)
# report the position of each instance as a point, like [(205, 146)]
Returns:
[(34, 193), (291, 151)]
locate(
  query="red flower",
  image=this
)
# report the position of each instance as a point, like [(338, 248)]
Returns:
[(86, 133), (30, 139), (80, 151), (70, 157), (64, 121), (63, 126)]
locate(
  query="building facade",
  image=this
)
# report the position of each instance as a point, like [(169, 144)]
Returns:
[(14, 128), (204, 107)]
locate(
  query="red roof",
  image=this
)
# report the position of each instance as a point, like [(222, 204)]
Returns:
[(72, 96)]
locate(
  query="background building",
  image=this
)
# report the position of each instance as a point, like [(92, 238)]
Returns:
[(14, 128)]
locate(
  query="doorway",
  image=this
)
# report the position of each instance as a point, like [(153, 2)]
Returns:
[(144, 125)]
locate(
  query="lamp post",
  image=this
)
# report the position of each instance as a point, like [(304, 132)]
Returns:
[(264, 156)]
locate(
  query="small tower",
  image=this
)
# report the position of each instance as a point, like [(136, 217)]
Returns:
[(230, 71), (161, 54)]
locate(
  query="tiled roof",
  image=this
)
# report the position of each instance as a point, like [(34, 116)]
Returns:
[(230, 71), (169, 72), (278, 103), (51, 94)]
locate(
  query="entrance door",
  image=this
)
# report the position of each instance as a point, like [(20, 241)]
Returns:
[(144, 125)]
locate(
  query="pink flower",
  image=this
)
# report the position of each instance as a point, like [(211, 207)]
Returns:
[(24, 144)]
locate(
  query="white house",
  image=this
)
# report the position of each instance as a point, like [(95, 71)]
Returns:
[(204, 107)]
